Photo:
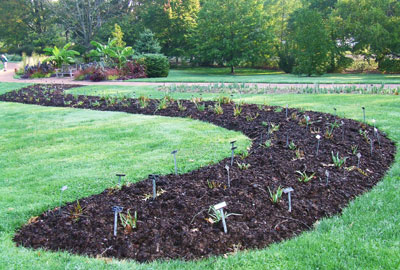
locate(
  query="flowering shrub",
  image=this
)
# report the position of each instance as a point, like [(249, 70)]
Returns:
[(40, 70)]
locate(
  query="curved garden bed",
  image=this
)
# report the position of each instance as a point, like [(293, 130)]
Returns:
[(177, 223)]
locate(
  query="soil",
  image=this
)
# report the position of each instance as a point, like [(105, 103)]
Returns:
[(176, 224)]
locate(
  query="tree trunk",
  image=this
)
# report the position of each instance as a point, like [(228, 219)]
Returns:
[(232, 69)]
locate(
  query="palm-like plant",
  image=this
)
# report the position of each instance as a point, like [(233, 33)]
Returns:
[(61, 56), (110, 52), (120, 55)]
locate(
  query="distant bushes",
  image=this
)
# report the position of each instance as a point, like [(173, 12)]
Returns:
[(157, 65), (388, 65)]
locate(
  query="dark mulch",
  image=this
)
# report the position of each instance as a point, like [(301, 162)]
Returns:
[(174, 225)]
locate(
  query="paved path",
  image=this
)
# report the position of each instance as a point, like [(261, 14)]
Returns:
[(8, 76)]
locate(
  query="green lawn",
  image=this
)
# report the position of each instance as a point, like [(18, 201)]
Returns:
[(46, 148), (6, 87), (261, 76)]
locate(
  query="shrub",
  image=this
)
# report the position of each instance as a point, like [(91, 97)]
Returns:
[(157, 65), (132, 70), (40, 70), (112, 74), (98, 75), (389, 65)]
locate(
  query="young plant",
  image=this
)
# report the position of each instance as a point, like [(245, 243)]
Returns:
[(180, 106), (354, 149), (213, 184), (276, 196), (250, 117), (304, 177), (128, 222), (338, 161), (274, 127), (77, 212), (200, 107), (223, 100), (243, 166), (292, 146), (163, 104), (237, 110), (143, 101), (218, 109), (215, 215), (267, 144), (299, 154)]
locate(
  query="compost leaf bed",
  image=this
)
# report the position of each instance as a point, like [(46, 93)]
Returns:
[(175, 224)]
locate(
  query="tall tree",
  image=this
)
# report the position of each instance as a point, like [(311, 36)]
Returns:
[(172, 22), (311, 42), (371, 26), (232, 31)]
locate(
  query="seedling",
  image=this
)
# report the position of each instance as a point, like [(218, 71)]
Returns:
[(162, 104), (276, 196), (299, 154), (120, 175), (77, 212), (250, 117), (267, 144), (304, 177), (243, 166), (176, 167), (128, 222), (359, 159), (292, 146), (143, 101), (288, 191), (218, 109), (237, 110), (180, 106), (229, 179), (354, 149), (200, 107), (116, 210), (274, 127), (338, 161), (318, 139), (213, 184), (64, 188)]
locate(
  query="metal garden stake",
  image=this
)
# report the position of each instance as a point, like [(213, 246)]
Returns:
[(372, 145), (287, 140), (229, 179), (220, 207), (359, 159), (327, 177), (120, 175), (176, 167), (116, 210), (153, 178), (307, 120), (233, 152), (288, 191), (318, 138), (342, 130), (335, 111), (374, 121), (64, 188), (363, 108), (287, 105)]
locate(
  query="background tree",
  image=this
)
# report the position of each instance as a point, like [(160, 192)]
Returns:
[(147, 43), (232, 31), (311, 42)]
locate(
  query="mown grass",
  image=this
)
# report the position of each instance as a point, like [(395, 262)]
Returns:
[(365, 236), (7, 87), (267, 76)]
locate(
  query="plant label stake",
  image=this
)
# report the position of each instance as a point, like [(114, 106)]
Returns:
[(119, 178), (372, 145), (287, 140), (327, 177), (307, 120), (335, 111), (116, 210), (229, 179), (261, 142), (220, 207), (363, 108), (153, 178), (288, 191), (342, 130), (377, 136), (287, 105), (232, 154), (373, 121), (64, 188), (359, 158), (176, 167), (318, 138)]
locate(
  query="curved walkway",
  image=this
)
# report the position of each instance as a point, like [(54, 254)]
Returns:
[(8, 76)]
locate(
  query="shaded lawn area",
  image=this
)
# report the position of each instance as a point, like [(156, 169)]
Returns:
[(248, 75), (45, 148)]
